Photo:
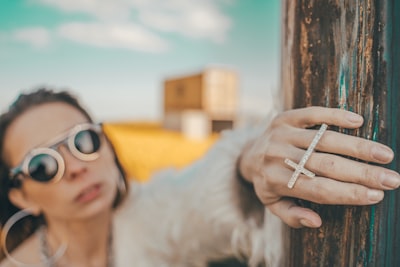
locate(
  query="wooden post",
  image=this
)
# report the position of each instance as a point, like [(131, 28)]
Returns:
[(346, 53)]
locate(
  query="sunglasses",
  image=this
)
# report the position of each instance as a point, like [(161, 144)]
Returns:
[(45, 164)]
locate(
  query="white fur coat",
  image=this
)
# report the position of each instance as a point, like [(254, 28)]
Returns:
[(197, 215)]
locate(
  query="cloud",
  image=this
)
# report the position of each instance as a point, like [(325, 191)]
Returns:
[(108, 35), (103, 9), (3, 36), (201, 20), (190, 18), (36, 36)]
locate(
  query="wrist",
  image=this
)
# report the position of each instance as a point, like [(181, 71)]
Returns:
[(249, 203), (245, 182)]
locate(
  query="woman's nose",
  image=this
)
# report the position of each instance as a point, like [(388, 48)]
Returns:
[(74, 167)]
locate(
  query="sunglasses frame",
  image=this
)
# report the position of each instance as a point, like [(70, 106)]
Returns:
[(51, 148)]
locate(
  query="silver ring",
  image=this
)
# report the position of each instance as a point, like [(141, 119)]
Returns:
[(299, 168)]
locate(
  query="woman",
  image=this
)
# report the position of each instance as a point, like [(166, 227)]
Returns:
[(57, 165)]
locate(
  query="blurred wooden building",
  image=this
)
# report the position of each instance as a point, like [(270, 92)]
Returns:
[(202, 102)]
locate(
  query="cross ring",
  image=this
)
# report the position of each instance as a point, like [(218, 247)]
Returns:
[(299, 168)]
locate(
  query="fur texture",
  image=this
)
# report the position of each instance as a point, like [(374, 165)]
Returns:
[(197, 215)]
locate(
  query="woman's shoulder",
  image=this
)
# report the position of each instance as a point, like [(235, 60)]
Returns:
[(27, 253)]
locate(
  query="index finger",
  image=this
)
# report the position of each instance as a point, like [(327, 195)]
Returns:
[(311, 116)]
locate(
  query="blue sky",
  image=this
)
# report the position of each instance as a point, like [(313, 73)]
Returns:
[(115, 54)]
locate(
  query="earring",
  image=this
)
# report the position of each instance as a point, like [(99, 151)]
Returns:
[(6, 229)]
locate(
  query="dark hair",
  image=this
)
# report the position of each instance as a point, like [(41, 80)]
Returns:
[(21, 105)]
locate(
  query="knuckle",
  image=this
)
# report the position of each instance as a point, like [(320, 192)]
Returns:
[(276, 132), (274, 135), (366, 175), (279, 119), (362, 175), (372, 176), (361, 148), (326, 140), (268, 152), (270, 183), (327, 164), (273, 150), (319, 193), (356, 195), (323, 142)]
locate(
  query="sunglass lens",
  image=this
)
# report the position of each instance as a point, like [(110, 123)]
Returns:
[(43, 167), (87, 142)]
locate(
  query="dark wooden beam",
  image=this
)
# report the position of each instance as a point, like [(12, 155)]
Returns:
[(346, 54)]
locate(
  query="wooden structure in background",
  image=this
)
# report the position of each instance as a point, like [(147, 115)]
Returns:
[(213, 91), (347, 54)]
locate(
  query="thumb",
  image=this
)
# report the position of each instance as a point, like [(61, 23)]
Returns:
[(294, 215)]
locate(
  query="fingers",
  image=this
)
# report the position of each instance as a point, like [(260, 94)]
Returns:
[(330, 166), (339, 180), (291, 126), (347, 170), (321, 190), (310, 116), (295, 216), (292, 142), (327, 191), (343, 144)]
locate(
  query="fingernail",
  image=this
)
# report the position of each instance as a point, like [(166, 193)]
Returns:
[(354, 117), (390, 179), (306, 223), (374, 195), (382, 153)]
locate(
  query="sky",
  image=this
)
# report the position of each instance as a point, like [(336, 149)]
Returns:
[(115, 54)]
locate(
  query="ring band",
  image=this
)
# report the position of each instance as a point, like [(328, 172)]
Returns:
[(299, 168)]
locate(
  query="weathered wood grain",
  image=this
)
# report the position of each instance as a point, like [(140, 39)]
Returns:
[(346, 53)]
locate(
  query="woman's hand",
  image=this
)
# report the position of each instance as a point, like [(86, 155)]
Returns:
[(338, 180)]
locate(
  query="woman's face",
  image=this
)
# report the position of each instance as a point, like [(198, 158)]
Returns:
[(86, 189)]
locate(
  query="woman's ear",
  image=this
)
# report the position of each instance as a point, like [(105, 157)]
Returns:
[(19, 199)]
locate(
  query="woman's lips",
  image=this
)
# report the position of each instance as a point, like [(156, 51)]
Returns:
[(89, 194)]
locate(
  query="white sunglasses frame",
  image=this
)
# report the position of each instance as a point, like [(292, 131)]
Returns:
[(51, 148)]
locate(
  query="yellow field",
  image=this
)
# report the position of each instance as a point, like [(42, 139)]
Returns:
[(144, 148)]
